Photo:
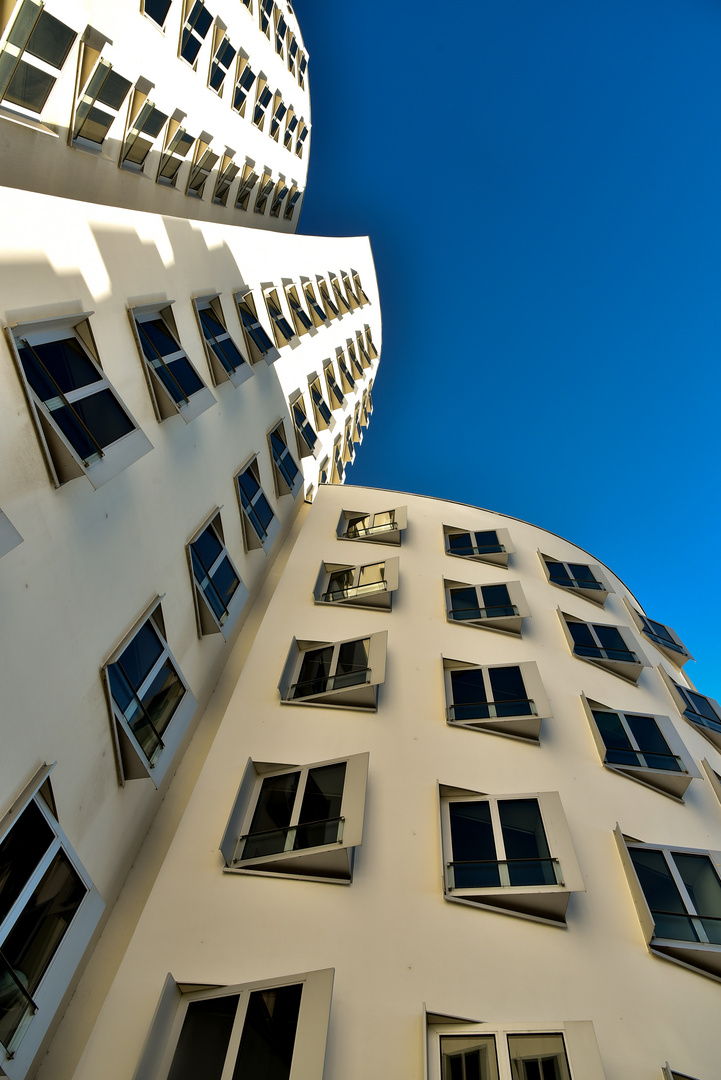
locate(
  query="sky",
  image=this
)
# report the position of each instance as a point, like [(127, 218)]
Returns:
[(541, 184)]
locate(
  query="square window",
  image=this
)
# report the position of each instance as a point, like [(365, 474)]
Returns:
[(257, 342), (223, 57), (225, 359), (321, 412), (335, 674), (175, 386), (98, 105), (663, 637), (49, 910), (260, 524), (605, 646), (248, 181), (203, 165), (702, 712), (145, 125), (301, 320), (177, 144), (218, 592), (245, 77), (368, 586), (33, 55), (501, 606), (384, 527), (198, 21), (227, 173), (151, 705), (82, 425), (9, 536), (298, 820), (306, 438), (502, 699), (512, 854), (492, 546), (677, 894), (579, 578), (288, 477)]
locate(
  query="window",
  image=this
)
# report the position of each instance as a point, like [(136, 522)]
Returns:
[(301, 321), (360, 345), (263, 98), (292, 52), (506, 699), (306, 438), (702, 712), (372, 351), (346, 379), (491, 546), (363, 299), (32, 57), (281, 190), (151, 705), (324, 471), (365, 412), (337, 472), (677, 893), (340, 674), (227, 173), (223, 57), (291, 123), (260, 525), (302, 68), (145, 126), (492, 607), (578, 578), (673, 1074), (264, 189), (247, 182), (274, 1028), (348, 448), (225, 359), (642, 747), (321, 412), (258, 344), (288, 477), (357, 433), (279, 111), (282, 330), (265, 14), (280, 28), (341, 302), (604, 646), (98, 105), (205, 162), (293, 198), (178, 143), (510, 854), (157, 10), (384, 527), (198, 21), (298, 821), (49, 910), (9, 536), (663, 637), (331, 311), (175, 385), (218, 592), (243, 84), (370, 586), (81, 423), (335, 394), (351, 297)]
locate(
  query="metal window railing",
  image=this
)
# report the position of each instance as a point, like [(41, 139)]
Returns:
[(496, 612), (359, 676), (491, 710), (503, 873), (305, 834)]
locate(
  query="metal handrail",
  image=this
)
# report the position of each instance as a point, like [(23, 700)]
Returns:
[(574, 583), (491, 708), (355, 590), (366, 530), (624, 655), (289, 832), (324, 683), (496, 612), (503, 870)]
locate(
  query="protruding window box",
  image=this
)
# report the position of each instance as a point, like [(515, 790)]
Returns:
[(317, 313), (702, 712), (324, 419), (306, 438), (491, 607), (491, 546), (371, 586), (502, 699), (218, 591), (605, 646), (384, 527), (258, 343), (226, 362), (663, 637), (644, 747), (298, 821), (176, 388), (579, 578), (260, 523), (286, 474), (340, 674)]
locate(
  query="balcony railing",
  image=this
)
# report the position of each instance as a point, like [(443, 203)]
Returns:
[(503, 873), (355, 592), (491, 710), (370, 530), (644, 759), (702, 721), (323, 684), (678, 927), (664, 642), (499, 611), (471, 549), (597, 653), (574, 583), (307, 834)]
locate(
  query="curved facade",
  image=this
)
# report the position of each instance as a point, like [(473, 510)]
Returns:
[(463, 769)]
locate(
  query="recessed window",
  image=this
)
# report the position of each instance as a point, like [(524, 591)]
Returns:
[(578, 578), (365, 410), (300, 138), (32, 57), (265, 187), (491, 546), (260, 524), (677, 893), (372, 351), (157, 10), (511, 854), (663, 637), (265, 14), (175, 385), (306, 436), (501, 606), (198, 21), (82, 425), (281, 190), (369, 586), (98, 105), (150, 702), (247, 182), (258, 343), (48, 912), (346, 379), (282, 330), (223, 57), (503, 699), (9, 536), (205, 162), (340, 674), (323, 472), (384, 527), (225, 359), (643, 747), (144, 129), (362, 351), (335, 394), (605, 646), (279, 111), (263, 98), (321, 412), (288, 477), (227, 173), (217, 589), (348, 449), (178, 143), (351, 297), (702, 712), (299, 821), (243, 85)]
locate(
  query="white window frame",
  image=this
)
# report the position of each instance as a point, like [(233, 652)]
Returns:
[(281, 190), (359, 291), (379, 527), (342, 304), (492, 558), (630, 670), (142, 110), (244, 80), (596, 596), (22, 56), (351, 298), (283, 332), (62, 460), (220, 39), (265, 188), (207, 620), (204, 162), (219, 372), (161, 26), (361, 695), (348, 448), (252, 538), (331, 862), (486, 619), (374, 595), (247, 182), (87, 102), (322, 422), (331, 311), (347, 381), (372, 351), (302, 322), (678, 655), (193, 34), (360, 343), (335, 394), (293, 198), (702, 724), (164, 402), (263, 98), (265, 13), (284, 484), (177, 146), (524, 726), (291, 123), (227, 172), (276, 117), (307, 440)]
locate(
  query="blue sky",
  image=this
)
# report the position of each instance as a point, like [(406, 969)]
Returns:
[(541, 183)]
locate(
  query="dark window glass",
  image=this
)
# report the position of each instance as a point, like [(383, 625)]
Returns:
[(157, 10), (558, 573), (314, 671), (662, 895), (524, 839), (57, 366), (611, 640), (496, 600), (352, 664), (538, 1057), (20, 852), (321, 806), (204, 1037), (509, 692), (700, 706), (271, 817), (582, 574), (249, 486), (51, 40), (29, 87), (652, 744), (619, 750), (474, 1062), (266, 1047), (104, 417), (474, 849), (464, 603), (469, 695), (156, 339)]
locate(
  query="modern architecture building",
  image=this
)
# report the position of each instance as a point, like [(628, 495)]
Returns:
[(299, 780)]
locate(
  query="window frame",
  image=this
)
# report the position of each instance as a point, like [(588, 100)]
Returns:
[(341, 302), (491, 558), (629, 670), (177, 146), (317, 312), (263, 98), (359, 696), (335, 395), (207, 621), (347, 382), (281, 190), (283, 332), (370, 599), (218, 371), (220, 37), (254, 332), (284, 484), (383, 533), (131, 760), (22, 55), (294, 196), (193, 33), (204, 161), (62, 460), (363, 298), (252, 539), (348, 448), (248, 180), (141, 111), (525, 726), (302, 322), (164, 404), (241, 79), (506, 624), (539, 903), (331, 862), (276, 117), (84, 103), (322, 422), (702, 725), (351, 298), (227, 172), (596, 596), (331, 311), (308, 445), (678, 656), (265, 186), (161, 26)]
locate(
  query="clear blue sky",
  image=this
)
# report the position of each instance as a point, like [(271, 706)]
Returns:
[(541, 183)]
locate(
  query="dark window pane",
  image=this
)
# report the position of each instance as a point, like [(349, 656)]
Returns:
[(321, 806), (268, 828), (656, 881), (619, 750), (66, 364), (140, 655), (211, 326), (191, 46), (582, 635), (263, 512), (185, 378), (204, 1037), (558, 573), (225, 582), (157, 10), (610, 638), (248, 485), (29, 87), (487, 539), (496, 598), (352, 663), (465, 602), (156, 339), (207, 547), (114, 90), (266, 1047), (701, 880), (314, 671), (50, 40), (582, 574), (524, 838), (20, 852), (162, 697), (473, 845), (652, 743), (154, 123), (104, 417), (95, 125)]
